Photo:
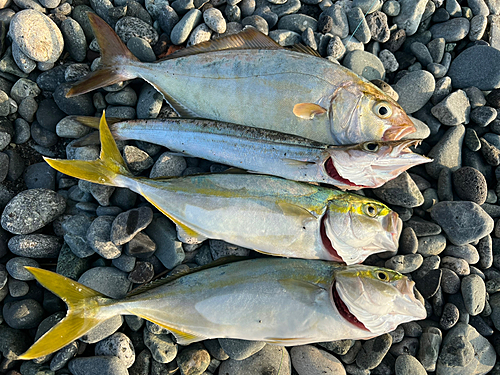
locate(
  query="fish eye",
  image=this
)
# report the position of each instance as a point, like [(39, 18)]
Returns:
[(382, 109), (371, 210), (383, 276), (371, 146)]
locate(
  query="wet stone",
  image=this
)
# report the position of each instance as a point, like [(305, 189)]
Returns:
[(373, 351), (462, 221), (431, 245)]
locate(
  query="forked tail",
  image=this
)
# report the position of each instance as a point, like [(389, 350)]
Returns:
[(115, 57), (84, 305), (110, 169)]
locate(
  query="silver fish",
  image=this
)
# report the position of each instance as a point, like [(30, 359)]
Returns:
[(249, 79), (280, 301), (367, 165)]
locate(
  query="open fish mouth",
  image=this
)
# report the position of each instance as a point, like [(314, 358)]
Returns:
[(344, 310), (333, 173), (327, 243)]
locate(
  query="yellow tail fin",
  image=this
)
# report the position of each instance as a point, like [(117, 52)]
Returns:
[(114, 57), (102, 171), (83, 305)]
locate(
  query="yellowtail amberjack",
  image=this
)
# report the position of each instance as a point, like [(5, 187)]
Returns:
[(268, 214), (281, 301), (367, 165), (249, 79)]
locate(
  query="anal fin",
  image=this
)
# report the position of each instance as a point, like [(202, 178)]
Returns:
[(179, 108)]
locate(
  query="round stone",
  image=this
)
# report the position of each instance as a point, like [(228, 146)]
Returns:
[(470, 185), (98, 365), (35, 245), (414, 90), (365, 64), (23, 314), (118, 345), (452, 31), (272, 359), (31, 30), (215, 20), (127, 27), (409, 365), (464, 70), (310, 360), (474, 294)]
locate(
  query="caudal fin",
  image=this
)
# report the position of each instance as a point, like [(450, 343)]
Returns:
[(106, 170), (83, 305), (115, 56)]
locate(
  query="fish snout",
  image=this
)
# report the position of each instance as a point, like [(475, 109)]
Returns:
[(394, 227), (408, 303)]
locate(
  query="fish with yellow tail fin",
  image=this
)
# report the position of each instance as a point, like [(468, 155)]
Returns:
[(249, 79), (268, 214), (281, 301), (367, 165)]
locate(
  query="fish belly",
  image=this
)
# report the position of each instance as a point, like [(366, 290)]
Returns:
[(253, 88)]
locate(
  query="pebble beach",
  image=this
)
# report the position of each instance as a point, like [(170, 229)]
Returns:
[(439, 59)]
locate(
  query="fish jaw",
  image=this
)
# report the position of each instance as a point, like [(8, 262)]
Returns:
[(355, 167)]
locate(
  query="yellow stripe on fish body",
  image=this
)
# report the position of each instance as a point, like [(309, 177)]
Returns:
[(269, 214)]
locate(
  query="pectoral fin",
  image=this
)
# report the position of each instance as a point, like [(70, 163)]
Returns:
[(308, 110), (291, 209)]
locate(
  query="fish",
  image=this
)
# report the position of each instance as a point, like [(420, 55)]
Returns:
[(367, 165), (279, 301), (268, 214), (249, 79)]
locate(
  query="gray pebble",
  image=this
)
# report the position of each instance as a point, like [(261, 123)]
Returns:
[(125, 97), (31, 210), (285, 38), (340, 24), (414, 90), (215, 20), (128, 224), (98, 237), (410, 15), (141, 246), (449, 317), (136, 159), (474, 294), (447, 153), (404, 263), (431, 245), (266, 13), (180, 32), (484, 248), (24, 88), (490, 153), (391, 8), (15, 268), (289, 7), (121, 112), (193, 361), (240, 349), (167, 19), (423, 227), (124, 263), (35, 245), (309, 360), (457, 265), (471, 140), (373, 351), (453, 110), (118, 345), (358, 25), (365, 64), (379, 28), (401, 191), (63, 355), (297, 23), (478, 26), (430, 341), (470, 185), (162, 347), (272, 359), (233, 13), (149, 102), (168, 165), (107, 280), (389, 61), (24, 63), (23, 314), (169, 250), (258, 22), (202, 33), (78, 105), (462, 221), (141, 49), (450, 282), (408, 242), (339, 347), (452, 31), (74, 38), (221, 249), (18, 288), (47, 34), (127, 27), (98, 365), (466, 252), (429, 284), (483, 116)]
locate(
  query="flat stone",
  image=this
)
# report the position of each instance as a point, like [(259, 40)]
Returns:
[(309, 360), (272, 359), (447, 153), (365, 64), (98, 365), (401, 191), (169, 250), (453, 110), (466, 252), (474, 294), (240, 349), (414, 90), (431, 245), (452, 31)]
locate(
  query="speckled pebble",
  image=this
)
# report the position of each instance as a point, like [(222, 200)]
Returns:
[(23, 314), (470, 185), (118, 345), (272, 359), (309, 360), (431, 245), (180, 32), (449, 317), (168, 165), (285, 37), (97, 365), (404, 263), (408, 242), (240, 349), (466, 252), (193, 361), (474, 294), (162, 347), (127, 27), (35, 245), (365, 64)]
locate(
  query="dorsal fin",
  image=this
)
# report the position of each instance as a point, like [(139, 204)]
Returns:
[(304, 49), (250, 38), (169, 279)]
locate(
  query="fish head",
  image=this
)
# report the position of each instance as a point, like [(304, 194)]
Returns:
[(355, 227), (376, 299), (370, 164), (360, 112)]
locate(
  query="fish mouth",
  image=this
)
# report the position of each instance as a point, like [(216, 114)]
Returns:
[(344, 310), (327, 243), (332, 172), (396, 132)]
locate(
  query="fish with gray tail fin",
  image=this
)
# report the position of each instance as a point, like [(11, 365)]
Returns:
[(280, 301), (268, 214), (250, 80)]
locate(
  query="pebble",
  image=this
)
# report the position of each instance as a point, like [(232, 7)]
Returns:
[(128, 27), (285, 38), (127, 224), (414, 90), (464, 73), (23, 314), (404, 263), (478, 25), (35, 245), (149, 102), (256, 21), (309, 360), (450, 282), (458, 265), (266, 13), (428, 286), (79, 105), (470, 185), (474, 294), (365, 64), (431, 245), (99, 237), (141, 246), (466, 252), (47, 34), (483, 116), (447, 153), (74, 38), (453, 30), (423, 227), (373, 351), (288, 7), (118, 345), (410, 15), (168, 165), (465, 351), (379, 28), (453, 110), (169, 250), (180, 32), (215, 20), (485, 251), (271, 359), (167, 19), (162, 347), (358, 25), (98, 365), (401, 191), (340, 24), (193, 361), (430, 341), (449, 317), (26, 64), (240, 349), (31, 210)]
